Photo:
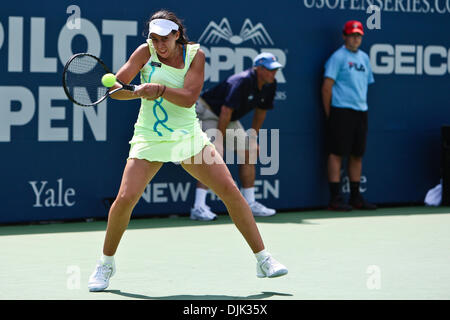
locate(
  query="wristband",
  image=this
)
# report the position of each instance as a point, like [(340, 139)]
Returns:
[(157, 93), (164, 90)]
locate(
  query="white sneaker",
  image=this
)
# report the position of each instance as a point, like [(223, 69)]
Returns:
[(260, 210), (270, 268), (99, 279), (202, 213)]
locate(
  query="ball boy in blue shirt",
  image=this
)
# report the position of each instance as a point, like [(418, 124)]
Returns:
[(344, 95)]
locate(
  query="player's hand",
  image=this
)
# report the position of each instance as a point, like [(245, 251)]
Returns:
[(149, 91)]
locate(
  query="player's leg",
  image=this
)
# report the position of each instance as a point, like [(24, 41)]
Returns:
[(209, 121), (246, 147), (216, 176), (136, 176), (247, 172)]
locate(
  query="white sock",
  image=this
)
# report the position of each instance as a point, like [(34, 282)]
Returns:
[(200, 197), (263, 254), (107, 259), (249, 194)]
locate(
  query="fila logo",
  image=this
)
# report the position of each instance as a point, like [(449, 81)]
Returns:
[(215, 32), (357, 67)]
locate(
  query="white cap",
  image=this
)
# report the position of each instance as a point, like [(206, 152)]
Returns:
[(162, 27)]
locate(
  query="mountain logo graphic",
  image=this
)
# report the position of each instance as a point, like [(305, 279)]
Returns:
[(215, 32)]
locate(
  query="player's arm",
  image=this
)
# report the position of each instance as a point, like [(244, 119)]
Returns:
[(327, 87), (129, 71), (193, 84)]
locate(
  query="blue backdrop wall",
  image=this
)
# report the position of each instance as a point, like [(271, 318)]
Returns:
[(59, 161)]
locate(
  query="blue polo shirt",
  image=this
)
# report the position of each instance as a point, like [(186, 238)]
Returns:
[(352, 74), (240, 92)]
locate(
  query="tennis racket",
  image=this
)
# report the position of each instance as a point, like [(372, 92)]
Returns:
[(82, 80)]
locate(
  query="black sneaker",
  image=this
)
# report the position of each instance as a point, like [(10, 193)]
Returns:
[(361, 204), (338, 204)]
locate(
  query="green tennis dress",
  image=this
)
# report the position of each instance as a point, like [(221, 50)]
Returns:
[(164, 131)]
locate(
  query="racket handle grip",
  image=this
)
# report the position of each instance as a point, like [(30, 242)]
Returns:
[(129, 87)]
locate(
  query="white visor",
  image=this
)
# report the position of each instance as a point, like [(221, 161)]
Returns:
[(162, 27)]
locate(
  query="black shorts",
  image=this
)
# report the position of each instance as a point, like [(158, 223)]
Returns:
[(347, 132)]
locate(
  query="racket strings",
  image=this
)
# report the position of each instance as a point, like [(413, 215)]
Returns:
[(83, 80)]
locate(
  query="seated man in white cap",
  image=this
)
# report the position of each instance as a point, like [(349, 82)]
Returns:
[(220, 109)]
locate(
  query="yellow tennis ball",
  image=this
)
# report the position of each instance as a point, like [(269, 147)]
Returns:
[(108, 80)]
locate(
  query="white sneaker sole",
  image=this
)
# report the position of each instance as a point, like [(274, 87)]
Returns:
[(277, 274), (97, 289)]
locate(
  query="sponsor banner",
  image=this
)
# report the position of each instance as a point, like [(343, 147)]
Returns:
[(432, 60), (441, 7), (63, 162)]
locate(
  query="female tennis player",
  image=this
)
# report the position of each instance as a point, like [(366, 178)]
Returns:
[(167, 130)]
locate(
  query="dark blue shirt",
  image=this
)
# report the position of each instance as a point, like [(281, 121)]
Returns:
[(240, 92)]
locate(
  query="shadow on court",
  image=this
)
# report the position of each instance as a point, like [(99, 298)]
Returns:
[(300, 217), (262, 295)]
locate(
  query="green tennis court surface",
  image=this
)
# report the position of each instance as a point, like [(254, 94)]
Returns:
[(392, 253)]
